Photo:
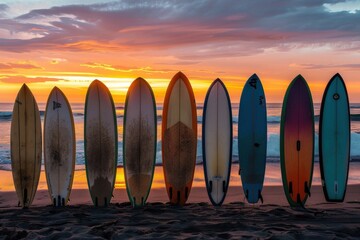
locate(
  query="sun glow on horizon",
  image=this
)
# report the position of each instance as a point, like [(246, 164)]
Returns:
[(58, 44)]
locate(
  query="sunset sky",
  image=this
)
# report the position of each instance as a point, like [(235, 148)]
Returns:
[(68, 44)]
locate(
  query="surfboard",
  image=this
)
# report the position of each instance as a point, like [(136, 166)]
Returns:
[(59, 147), (334, 139), (139, 144), (25, 138), (101, 143), (217, 141), (179, 138), (252, 139), (297, 142)]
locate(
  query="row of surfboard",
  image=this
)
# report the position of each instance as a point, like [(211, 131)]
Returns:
[(179, 142)]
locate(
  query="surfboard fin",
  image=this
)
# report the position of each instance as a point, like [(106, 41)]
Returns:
[(290, 188), (170, 193), (261, 197), (224, 186), (210, 183), (25, 198), (298, 200), (307, 189), (298, 145)]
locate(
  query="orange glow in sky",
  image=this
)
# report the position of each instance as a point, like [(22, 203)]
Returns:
[(68, 44)]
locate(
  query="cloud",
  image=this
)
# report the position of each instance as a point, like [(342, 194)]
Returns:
[(24, 79), (9, 66), (209, 25), (110, 67), (3, 9), (351, 6), (353, 66)]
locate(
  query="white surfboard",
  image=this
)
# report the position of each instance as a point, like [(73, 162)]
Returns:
[(59, 147), (101, 143), (139, 141), (217, 141)]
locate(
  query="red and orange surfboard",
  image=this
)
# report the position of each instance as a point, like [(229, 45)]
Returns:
[(179, 139)]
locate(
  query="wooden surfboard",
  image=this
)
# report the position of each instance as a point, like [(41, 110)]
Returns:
[(334, 140), (297, 142), (179, 139), (25, 146), (59, 147), (139, 144), (217, 141), (101, 143), (252, 134)]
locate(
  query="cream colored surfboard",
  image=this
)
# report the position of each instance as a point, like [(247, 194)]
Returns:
[(101, 143), (217, 141), (25, 146), (59, 147)]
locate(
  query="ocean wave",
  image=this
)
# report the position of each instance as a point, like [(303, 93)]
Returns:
[(7, 115), (273, 150)]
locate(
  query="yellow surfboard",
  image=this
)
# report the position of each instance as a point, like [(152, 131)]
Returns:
[(25, 146)]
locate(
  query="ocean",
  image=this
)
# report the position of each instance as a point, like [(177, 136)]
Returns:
[(273, 121)]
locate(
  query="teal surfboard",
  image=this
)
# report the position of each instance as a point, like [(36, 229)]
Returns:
[(252, 133), (334, 139)]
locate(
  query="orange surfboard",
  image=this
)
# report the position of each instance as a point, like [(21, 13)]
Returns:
[(179, 139)]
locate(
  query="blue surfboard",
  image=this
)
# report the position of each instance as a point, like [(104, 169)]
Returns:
[(252, 134), (334, 139)]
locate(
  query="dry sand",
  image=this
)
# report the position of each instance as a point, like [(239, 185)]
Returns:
[(198, 219)]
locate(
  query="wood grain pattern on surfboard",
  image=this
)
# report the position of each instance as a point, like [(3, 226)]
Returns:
[(25, 138), (334, 139), (139, 144), (217, 141), (179, 138), (59, 147), (297, 142), (252, 135), (101, 143)]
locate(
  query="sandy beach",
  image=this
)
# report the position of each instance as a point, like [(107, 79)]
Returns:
[(273, 219)]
